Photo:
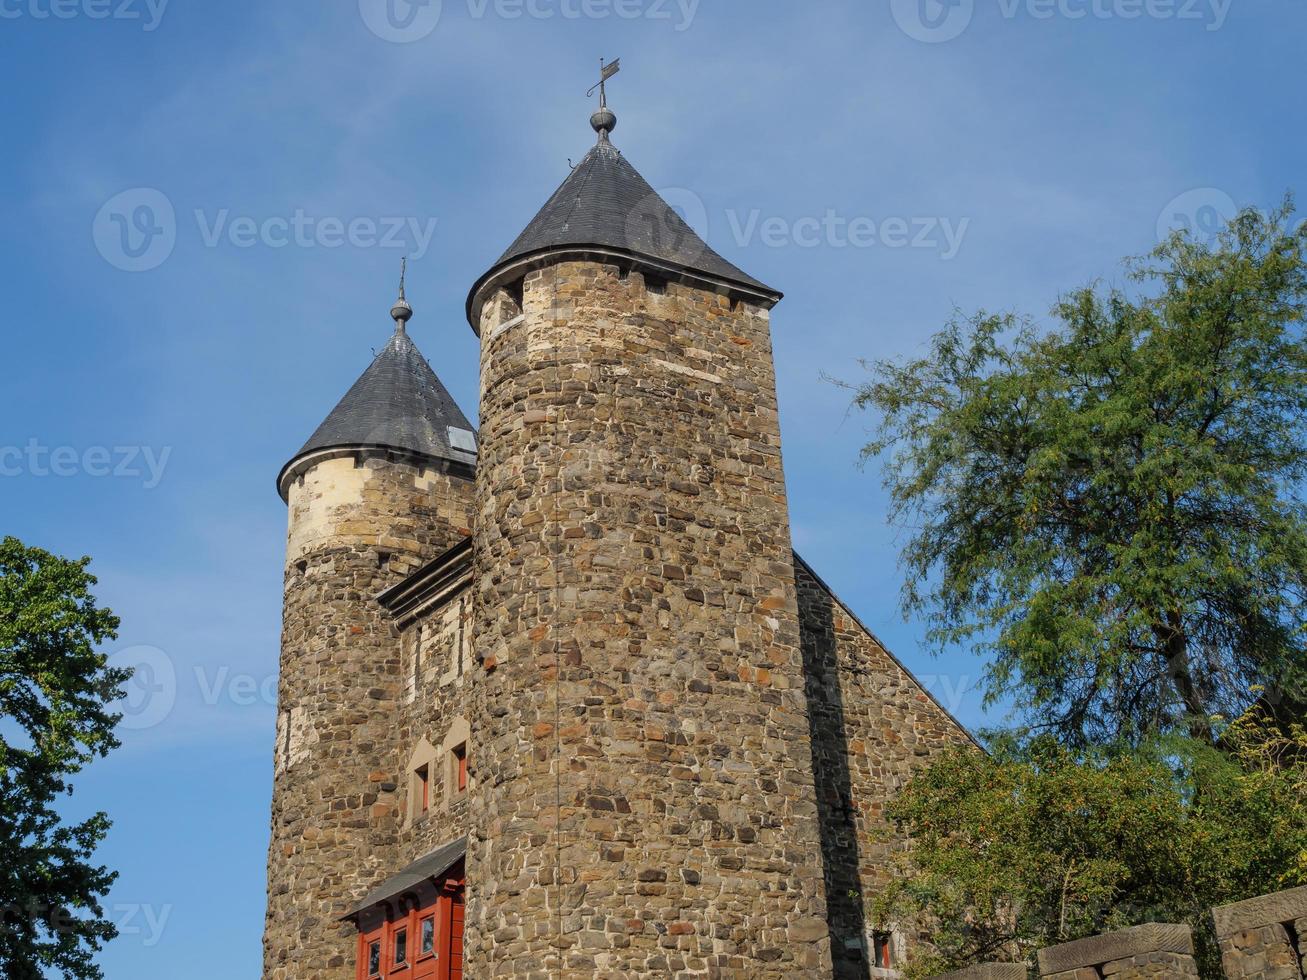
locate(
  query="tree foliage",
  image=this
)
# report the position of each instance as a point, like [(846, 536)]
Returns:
[(55, 692), (1035, 845), (1111, 507)]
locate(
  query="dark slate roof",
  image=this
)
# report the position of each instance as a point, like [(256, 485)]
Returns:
[(398, 403), (423, 869), (605, 202)]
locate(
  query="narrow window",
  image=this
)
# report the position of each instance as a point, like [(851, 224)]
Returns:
[(401, 949), (517, 293), (417, 657), (459, 765), (424, 788), (883, 950), (428, 936), (374, 958)]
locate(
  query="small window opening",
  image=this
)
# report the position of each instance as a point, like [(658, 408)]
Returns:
[(428, 938), (302, 567), (883, 950), (424, 788), (459, 765), (374, 959), (517, 293), (401, 948)]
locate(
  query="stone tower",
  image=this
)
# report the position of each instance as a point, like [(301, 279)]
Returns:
[(643, 766), (383, 485)]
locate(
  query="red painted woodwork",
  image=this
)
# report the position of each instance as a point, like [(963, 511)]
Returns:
[(456, 937), (440, 906)]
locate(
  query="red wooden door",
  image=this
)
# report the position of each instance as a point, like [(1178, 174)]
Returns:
[(456, 936)]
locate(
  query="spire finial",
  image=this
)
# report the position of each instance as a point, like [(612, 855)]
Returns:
[(401, 312), (604, 121)]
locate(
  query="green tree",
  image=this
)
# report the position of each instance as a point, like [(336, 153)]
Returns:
[(1035, 845), (1111, 508), (55, 693)]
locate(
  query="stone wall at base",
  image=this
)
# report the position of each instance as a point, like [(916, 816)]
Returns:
[(1264, 938), (988, 971), (1151, 950)]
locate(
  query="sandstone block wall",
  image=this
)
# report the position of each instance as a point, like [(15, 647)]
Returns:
[(1152, 950), (436, 713), (644, 802), (872, 726), (355, 528), (988, 971), (1264, 938)]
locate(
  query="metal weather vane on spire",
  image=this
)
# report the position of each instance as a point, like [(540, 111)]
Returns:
[(604, 121)]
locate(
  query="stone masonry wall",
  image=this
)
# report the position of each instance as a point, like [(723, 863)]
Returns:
[(1264, 938), (354, 529), (643, 801), (873, 726), (1147, 951), (435, 714)]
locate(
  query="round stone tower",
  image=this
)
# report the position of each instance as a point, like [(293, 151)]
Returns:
[(643, 797), (383, 486)]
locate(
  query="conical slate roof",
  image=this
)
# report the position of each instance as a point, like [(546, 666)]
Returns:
[(398, 403), (605, 203)]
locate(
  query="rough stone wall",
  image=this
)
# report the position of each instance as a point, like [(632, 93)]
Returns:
[(872, 726), (1151, 950), (644, 803), (988, 971), (436, 712), (353, 531), (1264, 938), (1168, 965)]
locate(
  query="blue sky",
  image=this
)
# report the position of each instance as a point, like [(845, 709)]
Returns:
[(264, 166)]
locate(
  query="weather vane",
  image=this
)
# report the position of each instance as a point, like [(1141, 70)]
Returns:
[(604, 121)]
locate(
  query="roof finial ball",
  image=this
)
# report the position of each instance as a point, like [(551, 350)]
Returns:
[(604, 121), (401, 312)]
